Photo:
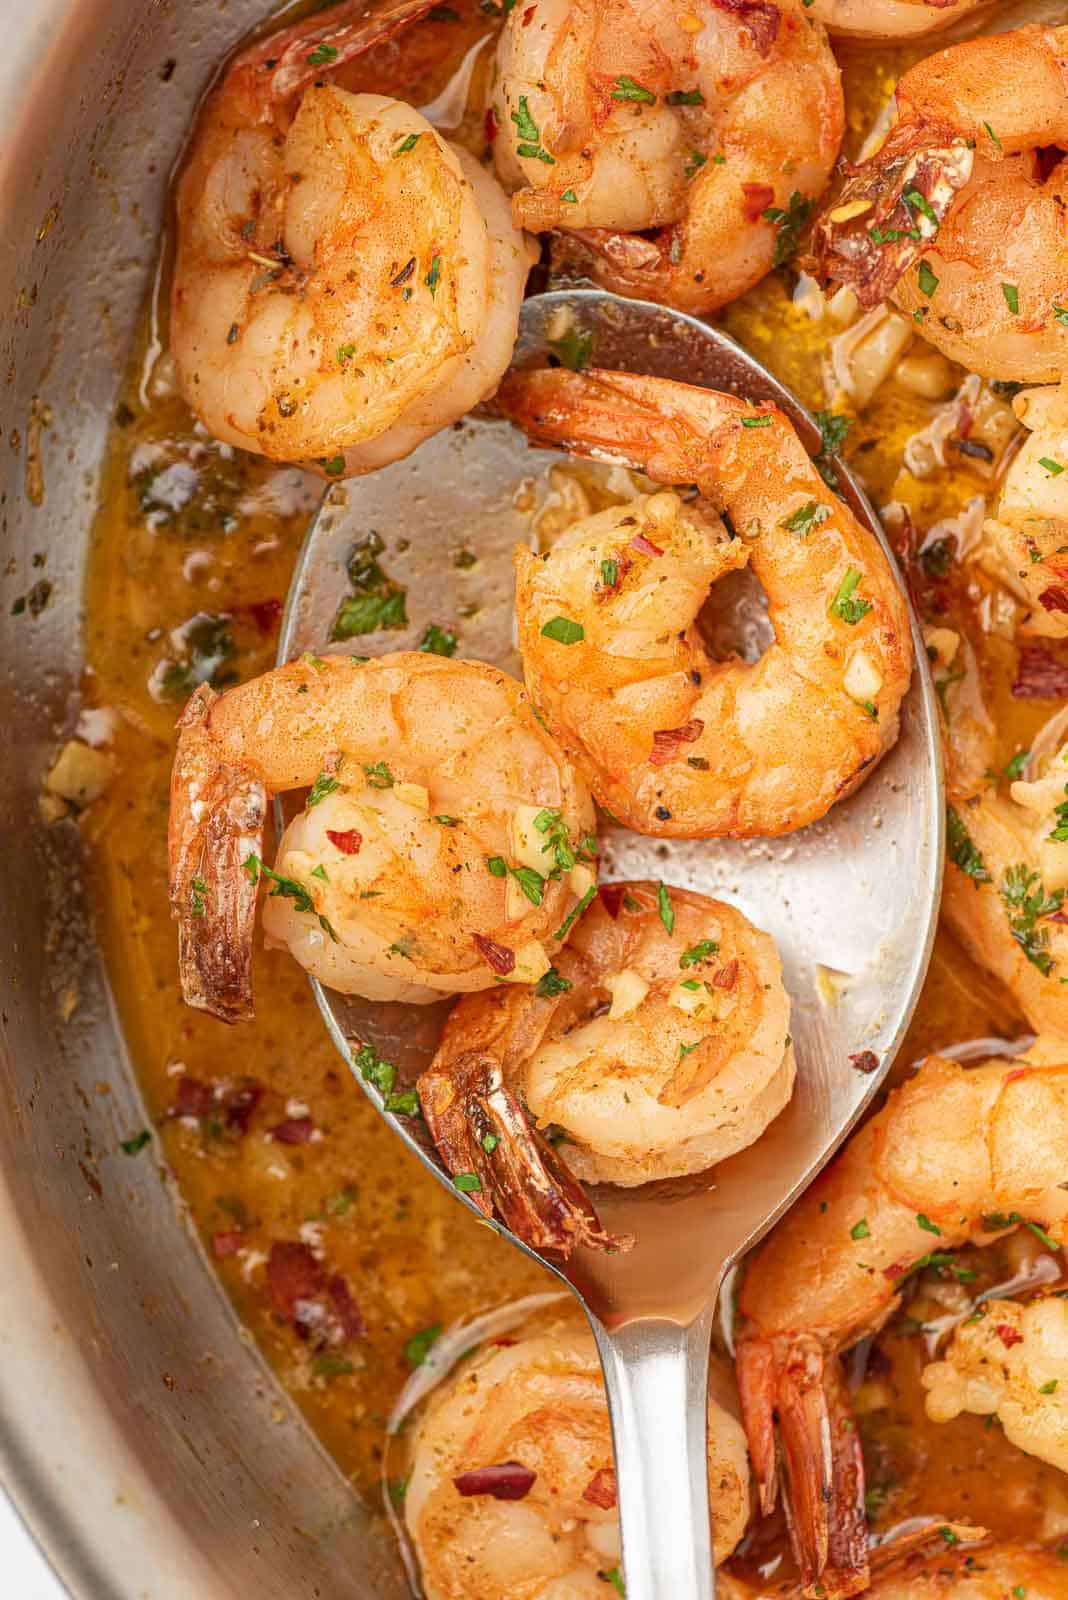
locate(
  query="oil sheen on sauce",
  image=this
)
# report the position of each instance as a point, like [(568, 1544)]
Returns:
[(191, 561)]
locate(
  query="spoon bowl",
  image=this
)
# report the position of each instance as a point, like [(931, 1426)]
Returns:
[(851, 901)]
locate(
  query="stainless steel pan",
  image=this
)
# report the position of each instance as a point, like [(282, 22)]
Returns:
[(136, 1428)]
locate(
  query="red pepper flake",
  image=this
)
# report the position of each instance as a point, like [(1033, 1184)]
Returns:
[(756, 199), (240, 1104), (1039, 676), (1018, 1072), (965, 420), (294, 1130), (528, 16), (865, 1060), (644, 546), (490, 125), (348, 1314), (1008, 1334), (1056, 916), (666, 741), (612, 897), (601, 1489), (227, 1244), (897, 1270), (194, 1098), (1054, 598), (497, 956), (265, 614), (348, 841), (293, 1276), (508, 1480), (726, 976)]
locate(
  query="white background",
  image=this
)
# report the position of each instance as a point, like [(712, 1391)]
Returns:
[(27, 1575)]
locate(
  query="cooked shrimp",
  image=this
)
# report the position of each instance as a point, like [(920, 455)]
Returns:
[(1005, 886), (943, 1571), (1010, 1361), (512, 1490), (658, 1046), (714, 125), (960, 214), (1027, 538), (892, 20), (346, 281), (672, 741), (957, 1154), (397, 881)]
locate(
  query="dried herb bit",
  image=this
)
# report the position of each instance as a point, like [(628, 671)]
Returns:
[(684, 97), (572, 350), (961, 849), (563, 631), (323, 785), (378, 775), (847, 605), (322, 55), (664, 907), (1026, 903), (133, 1146), (530, 145), (376, 601), (438, 641), (420, 1344), (551, 984), (789, 224), (701, 951), (288, 888), (805, 518), (1059, 834), (207, 645), (833, 429), (627, 89)]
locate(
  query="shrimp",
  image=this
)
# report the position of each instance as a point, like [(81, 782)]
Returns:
[(892, 20), (346, 281), (1005, 886), (959, 216), (512, 1490), (957, 1155), (397, 880), (1026, 541), (1009, 1360), (673, 742), (658, 1045), (940, 1570), (715, 125)]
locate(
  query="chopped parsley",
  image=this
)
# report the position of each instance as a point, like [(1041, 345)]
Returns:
[(438, 641), (288, 888), (136, 1143), (323, 785), (1014, 768), (789, 224), (805, 518), (833, 429), (609, 574), (573, 349), (489, 1142), (927, 280), (322, 55), (197, 891), (497, 866), (376, 601), (627, 89), (420, 1344), (961, 849), (563, 631), (860, 1230), (847, 605), (684, 97), (378, 775), (698, 952), (914, 200), (569, 921), (530, 145), (1060, 314), (433, 277), (569, 197), (333, 466), (994, 140), (550, 984), (408, 143), (924, 1222), (467, 1182), (1054, 468), (1012, 297), (615, 1578), (756, 422), (532, 883), (664, 907), (694, 162), (1026, 903)]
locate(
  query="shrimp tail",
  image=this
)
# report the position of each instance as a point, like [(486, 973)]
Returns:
[(798, 1384), (277, 67), (218, 811), (890, 210), (481, 1130)]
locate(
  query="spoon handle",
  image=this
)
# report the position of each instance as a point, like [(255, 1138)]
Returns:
[(656, 1373)]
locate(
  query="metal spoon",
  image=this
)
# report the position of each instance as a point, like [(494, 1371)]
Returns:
[(851, 902)]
